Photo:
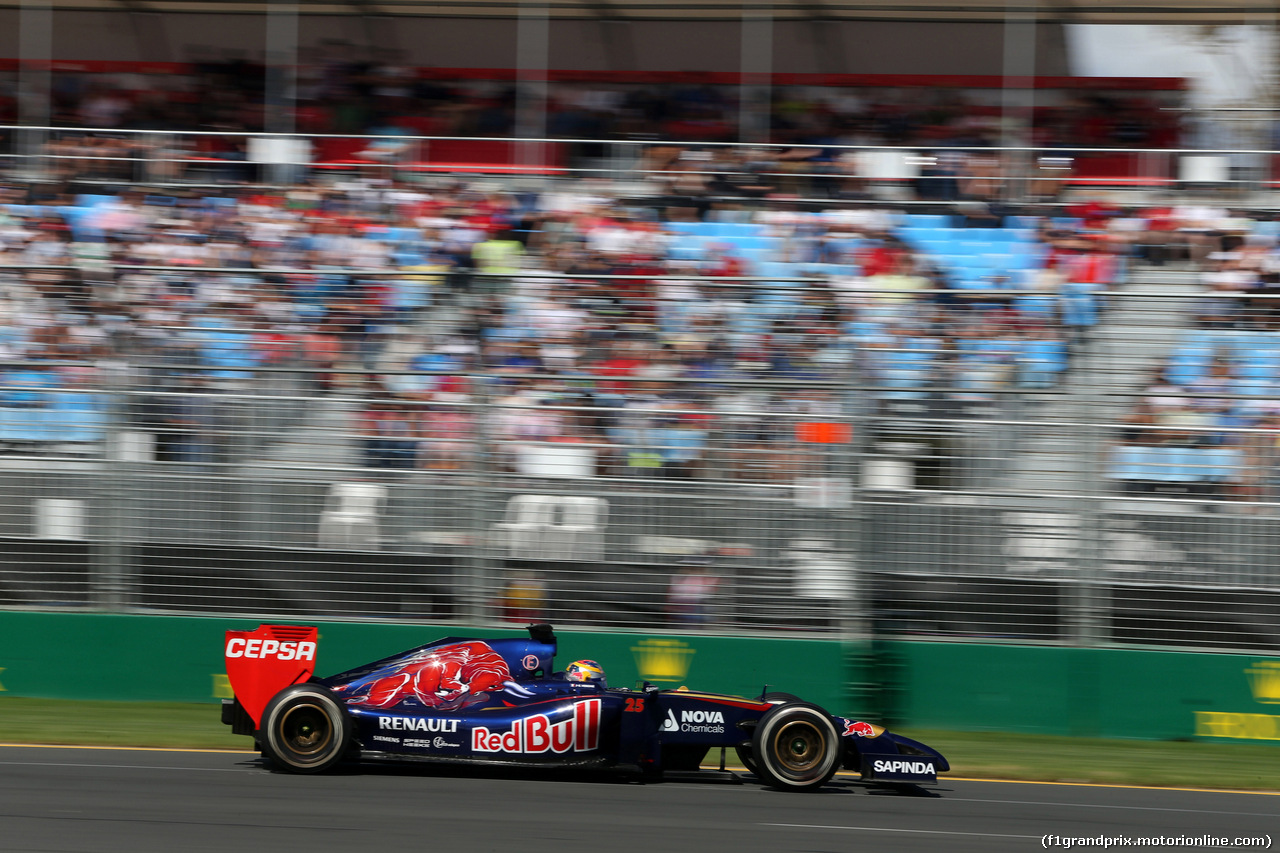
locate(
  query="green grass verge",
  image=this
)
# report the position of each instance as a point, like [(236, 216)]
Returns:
[(979, 755), (1197, 764), (172, 724)]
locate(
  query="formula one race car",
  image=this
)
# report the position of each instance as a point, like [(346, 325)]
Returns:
[(500, 701)]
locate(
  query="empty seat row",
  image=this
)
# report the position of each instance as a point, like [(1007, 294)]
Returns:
[(1174, 464), (720, 230), (69, 417)]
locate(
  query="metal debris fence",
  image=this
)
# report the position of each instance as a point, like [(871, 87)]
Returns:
[(906, 483)]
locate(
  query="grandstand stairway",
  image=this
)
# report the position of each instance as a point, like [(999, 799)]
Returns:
[(329, 433), (1049, 453), (328, 436)]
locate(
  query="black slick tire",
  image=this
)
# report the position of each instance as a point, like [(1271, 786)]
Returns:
[(796, 747), (744, 749), (305, 729)]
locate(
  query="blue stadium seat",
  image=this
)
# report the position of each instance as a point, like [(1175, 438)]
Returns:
[(221, 346), (905, 372), (1253, 387), (1036, 306), (972, 279), (780, 270), (929, 220), (1011, 235), (1260, 365), (1079, 304), (26, 387), (79, 417), (403, 235), (927, 232), (1131, 462), (1269, 229), (407, 259), (683, 227), (937, 248), (864, 329), (731, 230), (995, 261), (968, 262), (1042, 362), (1181, 464), (680, 445), (1221, 464), (1189, 364)]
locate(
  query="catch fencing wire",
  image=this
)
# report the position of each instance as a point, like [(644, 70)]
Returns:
[(262, 497)]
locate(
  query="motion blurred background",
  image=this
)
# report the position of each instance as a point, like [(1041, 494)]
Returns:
[(832, 321)]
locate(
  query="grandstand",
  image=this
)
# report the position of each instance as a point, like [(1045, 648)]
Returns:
[(437, 364)]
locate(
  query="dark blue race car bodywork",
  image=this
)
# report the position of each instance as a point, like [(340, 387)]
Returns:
[(500, 701)]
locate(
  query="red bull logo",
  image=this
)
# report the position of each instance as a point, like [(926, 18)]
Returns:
[(860, 729), (537, 734), (445, 677)]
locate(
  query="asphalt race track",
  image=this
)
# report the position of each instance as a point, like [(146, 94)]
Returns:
[(148, 801)]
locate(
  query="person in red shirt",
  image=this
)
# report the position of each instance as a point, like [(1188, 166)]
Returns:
[(881, 259), (622, 360)]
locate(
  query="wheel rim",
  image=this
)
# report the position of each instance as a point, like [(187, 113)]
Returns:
[(306, 730), (800, 747)]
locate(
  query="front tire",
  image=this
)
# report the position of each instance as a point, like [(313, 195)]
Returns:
[(305, 729), (744, 749), (796, 747)]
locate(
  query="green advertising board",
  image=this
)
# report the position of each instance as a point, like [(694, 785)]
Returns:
[(1120, 693), (179, 659)]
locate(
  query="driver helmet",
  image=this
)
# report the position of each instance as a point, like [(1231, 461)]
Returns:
[(585, 670)]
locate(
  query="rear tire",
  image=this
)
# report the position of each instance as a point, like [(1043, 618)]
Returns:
[(305, 729), (796, 747)]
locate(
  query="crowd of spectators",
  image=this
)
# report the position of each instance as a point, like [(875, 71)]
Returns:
[(1204, 423), (638, 339)]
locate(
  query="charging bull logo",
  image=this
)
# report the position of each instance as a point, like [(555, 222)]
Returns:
[(861, 729), (445, 677)]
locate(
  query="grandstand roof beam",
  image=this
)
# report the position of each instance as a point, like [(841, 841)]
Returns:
[(280, 92), (829, 52), (615, 11), (533, 57), (755, 98), (615, 34)]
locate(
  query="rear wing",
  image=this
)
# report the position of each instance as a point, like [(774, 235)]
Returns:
[(264, 661)]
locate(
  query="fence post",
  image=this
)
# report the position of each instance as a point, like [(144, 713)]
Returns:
[(865, 686), (109, 560), (479, 579), (1088, 612)]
